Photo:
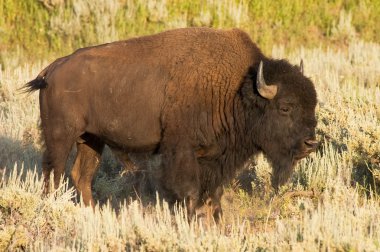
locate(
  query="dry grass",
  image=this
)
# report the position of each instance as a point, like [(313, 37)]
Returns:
[(335, 207), (51, 28)]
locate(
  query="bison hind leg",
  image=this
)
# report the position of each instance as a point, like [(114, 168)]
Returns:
[(46, 170), (58, 142), (86, 164)]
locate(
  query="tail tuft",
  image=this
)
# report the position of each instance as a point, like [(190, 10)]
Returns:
[(36, 84)]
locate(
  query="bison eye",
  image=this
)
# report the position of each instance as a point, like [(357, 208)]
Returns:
[(285, 110)]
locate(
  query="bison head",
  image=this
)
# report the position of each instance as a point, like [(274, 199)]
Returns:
[(285, 128)]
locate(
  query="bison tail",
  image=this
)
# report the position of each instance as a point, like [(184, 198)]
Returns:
[(36, 84)]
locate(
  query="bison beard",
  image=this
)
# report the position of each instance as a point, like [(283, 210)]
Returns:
[(205, 100)]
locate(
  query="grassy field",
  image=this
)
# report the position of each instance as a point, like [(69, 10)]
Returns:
[(331, 203), (50, 28)]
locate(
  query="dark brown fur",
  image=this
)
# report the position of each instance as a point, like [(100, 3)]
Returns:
[(187, 94)]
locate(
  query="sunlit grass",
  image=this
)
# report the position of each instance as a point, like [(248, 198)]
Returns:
[(334, 204), (46, 28), (331, 201)]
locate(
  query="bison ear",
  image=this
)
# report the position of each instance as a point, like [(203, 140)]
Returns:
[(266, 91), (301, 66)]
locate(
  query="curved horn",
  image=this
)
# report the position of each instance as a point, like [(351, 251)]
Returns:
[(268, 92), (301, 66)]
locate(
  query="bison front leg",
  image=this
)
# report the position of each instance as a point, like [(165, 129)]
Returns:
[(216, 204), (180, 175), (211, 209)]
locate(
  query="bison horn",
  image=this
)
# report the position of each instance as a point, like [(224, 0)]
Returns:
[(301, 66), (266, 91)]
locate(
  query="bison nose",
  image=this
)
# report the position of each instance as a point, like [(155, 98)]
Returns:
[(311, 143)]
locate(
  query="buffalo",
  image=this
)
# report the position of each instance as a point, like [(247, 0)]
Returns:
[(205, 100)]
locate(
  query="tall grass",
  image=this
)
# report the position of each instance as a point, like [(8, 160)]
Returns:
[(340, 218), (39, 29), (331, 202), (335, 205)]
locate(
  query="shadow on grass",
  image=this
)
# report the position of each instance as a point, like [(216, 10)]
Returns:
[(111, 183), (365, 166), (16, 153), (116, 183)]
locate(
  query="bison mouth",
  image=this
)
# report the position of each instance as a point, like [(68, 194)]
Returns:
[(301, 155), (284, 163), (308, 147)]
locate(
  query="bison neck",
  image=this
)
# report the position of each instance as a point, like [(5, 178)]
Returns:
[(236, 145)]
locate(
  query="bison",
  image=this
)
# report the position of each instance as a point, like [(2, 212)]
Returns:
[(205, 100)]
